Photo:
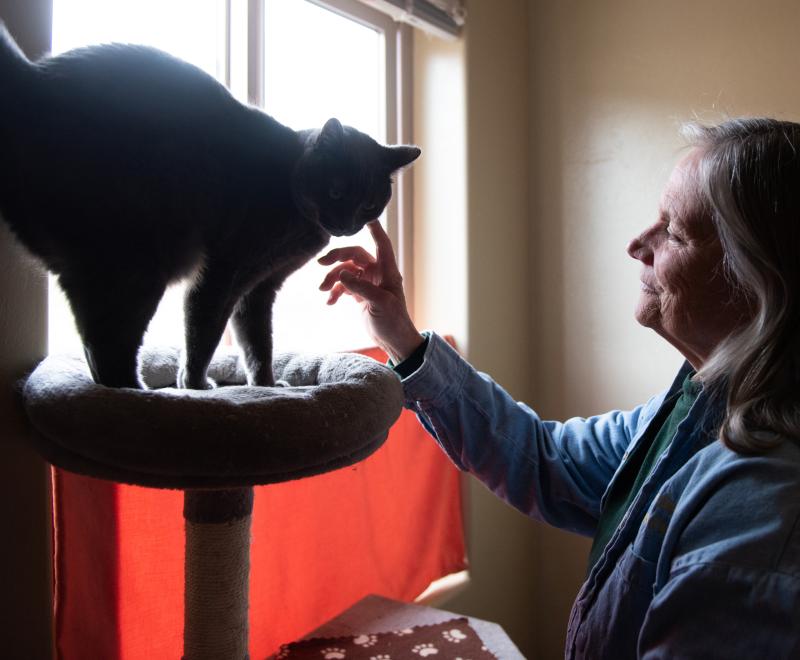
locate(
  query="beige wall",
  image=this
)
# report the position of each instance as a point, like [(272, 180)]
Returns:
[(572, 111), (502, 541), (610, 83), (472, 251), (25, 568)]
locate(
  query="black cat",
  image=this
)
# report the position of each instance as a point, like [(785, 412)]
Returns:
[(124, 169)]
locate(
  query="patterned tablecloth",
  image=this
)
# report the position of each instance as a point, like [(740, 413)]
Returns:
[(378, 628)]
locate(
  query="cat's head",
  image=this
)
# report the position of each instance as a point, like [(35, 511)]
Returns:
[(344, 178)]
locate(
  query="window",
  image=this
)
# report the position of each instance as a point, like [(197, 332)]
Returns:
[(303, 61)]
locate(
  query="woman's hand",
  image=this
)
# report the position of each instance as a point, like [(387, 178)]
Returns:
[(376, 283)]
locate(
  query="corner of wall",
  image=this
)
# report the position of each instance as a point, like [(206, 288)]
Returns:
[(472, 260), (25, 554)]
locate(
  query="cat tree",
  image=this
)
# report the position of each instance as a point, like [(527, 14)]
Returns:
[(329, 412)]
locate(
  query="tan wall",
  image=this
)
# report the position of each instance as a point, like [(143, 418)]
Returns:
[(25, 567), (472, 251), (610, 83), (502, 541)]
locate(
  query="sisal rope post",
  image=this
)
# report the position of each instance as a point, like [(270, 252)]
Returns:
[(217, 571)]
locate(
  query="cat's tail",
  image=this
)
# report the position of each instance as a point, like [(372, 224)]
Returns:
[(14, 66)]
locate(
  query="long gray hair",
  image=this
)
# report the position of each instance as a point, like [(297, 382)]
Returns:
[(750, 181)]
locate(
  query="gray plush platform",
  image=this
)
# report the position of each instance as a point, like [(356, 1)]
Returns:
[(335, 412)]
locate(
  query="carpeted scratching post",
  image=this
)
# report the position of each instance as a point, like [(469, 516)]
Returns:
[(330, 412), (217, 571)]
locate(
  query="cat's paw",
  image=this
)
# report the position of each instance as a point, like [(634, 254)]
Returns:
[(185, 382), (260, 377)]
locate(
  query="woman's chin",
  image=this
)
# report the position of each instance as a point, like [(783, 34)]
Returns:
[(648, 313)]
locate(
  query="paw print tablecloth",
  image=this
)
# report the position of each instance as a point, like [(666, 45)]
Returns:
[(450, 640)]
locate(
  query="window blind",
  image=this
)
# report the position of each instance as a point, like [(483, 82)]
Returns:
[(444, 18)]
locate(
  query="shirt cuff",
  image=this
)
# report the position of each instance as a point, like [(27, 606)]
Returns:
[(412, 362), (440, 378)]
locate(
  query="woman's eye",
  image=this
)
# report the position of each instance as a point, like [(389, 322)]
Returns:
[(673, 236)]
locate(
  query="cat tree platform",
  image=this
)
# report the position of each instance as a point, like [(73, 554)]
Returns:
[(330, 411)]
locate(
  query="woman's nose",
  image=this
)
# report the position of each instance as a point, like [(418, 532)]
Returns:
[(639, 248), (634, 245)]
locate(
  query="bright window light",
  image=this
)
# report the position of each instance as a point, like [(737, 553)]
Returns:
[(189, 29), (317, 64)]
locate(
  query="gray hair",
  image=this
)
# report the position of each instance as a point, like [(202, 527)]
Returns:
[(750, 184)]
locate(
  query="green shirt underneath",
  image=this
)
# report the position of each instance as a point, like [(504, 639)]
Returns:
[(623, 492)]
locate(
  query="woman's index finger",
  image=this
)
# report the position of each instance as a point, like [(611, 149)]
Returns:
[(383, 245)]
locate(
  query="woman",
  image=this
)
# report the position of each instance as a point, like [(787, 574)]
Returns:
[(693, 499)]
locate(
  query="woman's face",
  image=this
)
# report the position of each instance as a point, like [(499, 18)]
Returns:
[(685, 296)]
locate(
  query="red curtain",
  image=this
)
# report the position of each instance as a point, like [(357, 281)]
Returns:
[(388, 525)]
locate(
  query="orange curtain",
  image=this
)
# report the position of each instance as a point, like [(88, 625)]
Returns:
[(388, 525)]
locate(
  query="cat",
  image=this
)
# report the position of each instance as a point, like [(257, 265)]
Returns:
[(124, 169)]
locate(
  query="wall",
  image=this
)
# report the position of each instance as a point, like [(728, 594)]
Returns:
[(25, 567), (472, 251), (503, 542), (610, 83)]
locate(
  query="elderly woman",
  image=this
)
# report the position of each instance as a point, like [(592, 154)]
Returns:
[(693, 499)]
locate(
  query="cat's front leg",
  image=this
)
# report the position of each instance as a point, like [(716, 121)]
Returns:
[(207, 306), (252, 325)]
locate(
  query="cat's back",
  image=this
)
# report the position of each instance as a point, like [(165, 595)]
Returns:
[(125, 82), (140, 101), (138, 150)]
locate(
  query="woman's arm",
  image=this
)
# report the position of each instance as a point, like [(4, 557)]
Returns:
[(553, 471)]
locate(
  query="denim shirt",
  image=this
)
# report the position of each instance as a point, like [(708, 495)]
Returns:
[(706, 561)]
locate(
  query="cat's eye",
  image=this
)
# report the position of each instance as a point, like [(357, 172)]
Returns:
[(370, 207), (335, 194)]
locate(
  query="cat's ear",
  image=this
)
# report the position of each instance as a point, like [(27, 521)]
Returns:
[(400, 156), (331, 135)]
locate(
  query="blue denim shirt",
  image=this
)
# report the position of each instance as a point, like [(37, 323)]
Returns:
[(705, 563)]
